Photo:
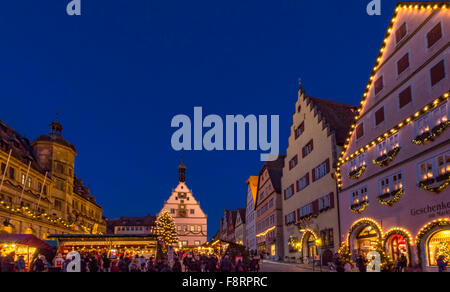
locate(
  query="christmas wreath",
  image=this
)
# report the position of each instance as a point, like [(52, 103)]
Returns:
[(355, 174)]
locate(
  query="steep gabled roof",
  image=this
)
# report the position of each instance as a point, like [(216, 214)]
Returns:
[(379, 61), (337, 116), (242, 213), (275, 171), (21, 146), (253, 182)]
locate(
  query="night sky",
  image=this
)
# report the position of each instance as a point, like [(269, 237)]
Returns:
[(120, 72)]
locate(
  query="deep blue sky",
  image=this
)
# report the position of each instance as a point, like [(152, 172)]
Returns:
[(121, 71)]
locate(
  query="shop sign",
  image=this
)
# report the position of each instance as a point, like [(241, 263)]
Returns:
[(432, 211)]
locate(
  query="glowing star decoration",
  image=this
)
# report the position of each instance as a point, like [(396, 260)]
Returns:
[(374, 264)]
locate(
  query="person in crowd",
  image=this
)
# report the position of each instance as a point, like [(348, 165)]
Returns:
[(225, 265), (39, 264), (176, 266), (58, 261), (20, 264), (240, 268), (106, 263), (442, 264), (361, 263), (338, 263), (150, 265)]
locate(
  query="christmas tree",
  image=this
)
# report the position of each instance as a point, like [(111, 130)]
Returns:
[(444, 250), (166, 230)]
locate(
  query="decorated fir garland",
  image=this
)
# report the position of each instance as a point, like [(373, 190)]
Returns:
[(360, 207), (429, 184), (355, 174), (395, 195), (386, 158), (431, 135)]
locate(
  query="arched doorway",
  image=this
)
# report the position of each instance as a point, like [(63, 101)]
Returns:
[(398, 242), (308, 244), (363, 236), (433, 241)]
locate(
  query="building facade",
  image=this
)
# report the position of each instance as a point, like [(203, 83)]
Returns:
[(190, 220), (250, 213), (39, 192), (318, 132), (132, 225), (268, 208), (394, 171), (239, 229)]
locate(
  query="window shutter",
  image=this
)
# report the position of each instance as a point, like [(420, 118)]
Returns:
[(312, 145), (292, 189), (331, 200), (293, 213), (314, 175), (379, 85), (403, 64), (303, 152), (284, 194), (328, 165), (379, 116), (315, 206), (298, 214), (360, 130), (297, 183), (302, 126), (405, 97), (437, 73), (434, 35), (307, 179), (285, 220), (400, 33)]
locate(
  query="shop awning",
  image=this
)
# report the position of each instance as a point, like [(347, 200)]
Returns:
[(24, 239)]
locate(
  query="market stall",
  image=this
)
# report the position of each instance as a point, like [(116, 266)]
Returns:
[(112, 244), (17, 245)]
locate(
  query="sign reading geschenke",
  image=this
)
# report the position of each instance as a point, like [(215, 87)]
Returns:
[(432, 211)]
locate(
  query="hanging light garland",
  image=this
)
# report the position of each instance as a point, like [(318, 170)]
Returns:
[(357, 173), (395, 195)]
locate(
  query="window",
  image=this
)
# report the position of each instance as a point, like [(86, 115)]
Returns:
[(58, 205), (290, 218), (360, 195), (299, 109), (391, 183), (325, 202), (322, 170), (23, 181), (435, 167), (379, 85), (271, 203), (60, 185), (172, 211), (303, 183), (440, 115), (199, 228), (379, 116), (197, 243), (192, 211), (388, 144), (308, 149), (434, 35), (438, 245), (360, 131), (299, 131), (358, 162), (29, 182), (405, 97), (59, 168), (293, 162), (401, 33), (289, 192), (403, 64), (437, 73), (306, 210), (192, 228)]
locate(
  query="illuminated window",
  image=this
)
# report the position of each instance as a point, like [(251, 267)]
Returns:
[(439, 245), (391, 183), (440, 115), (388, 144), (436, 167), (358, 162), (360, 195)]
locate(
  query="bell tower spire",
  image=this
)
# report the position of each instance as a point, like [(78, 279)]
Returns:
[(182, 172)]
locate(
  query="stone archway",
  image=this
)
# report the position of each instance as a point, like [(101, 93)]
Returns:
[(398, 241), (363, 235)]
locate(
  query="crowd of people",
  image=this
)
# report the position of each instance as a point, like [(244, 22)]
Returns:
[(102, 262)]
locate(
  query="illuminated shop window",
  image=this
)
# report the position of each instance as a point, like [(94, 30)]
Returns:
[(439, 245)]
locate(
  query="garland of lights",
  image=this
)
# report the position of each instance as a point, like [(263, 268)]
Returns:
[(357, 172), (387, 158), (444, 223), (425, 185), (366, 221), (360, 207), (369, 86), (431, 135), (396, 197)]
